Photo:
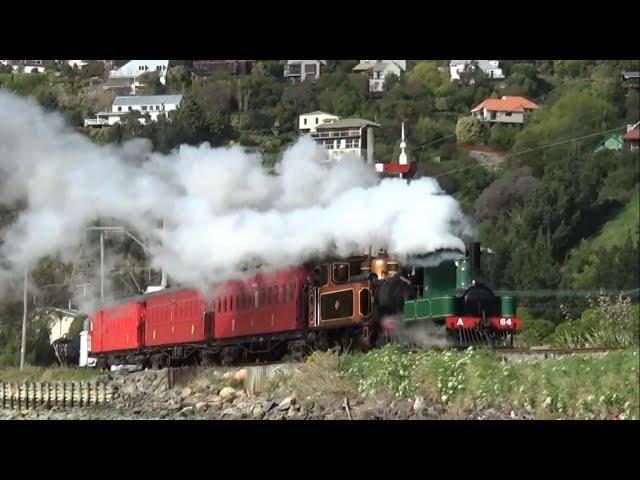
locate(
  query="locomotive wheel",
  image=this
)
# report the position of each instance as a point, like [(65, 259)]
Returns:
[(297, 352), (508, 340), (322, 342), (346, 342)]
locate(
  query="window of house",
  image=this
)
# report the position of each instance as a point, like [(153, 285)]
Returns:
[(316, 120), (129, 108), (144, 108), (508, 114), (119, 109), (304, 121), (141, 67), (493, 115)]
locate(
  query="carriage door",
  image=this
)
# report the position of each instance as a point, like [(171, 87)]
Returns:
[(314, 306)]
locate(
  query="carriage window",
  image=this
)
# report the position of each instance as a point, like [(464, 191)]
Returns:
[(365, 301), (261, 298), (275, 295), (225, 304), (340, 272), (231, 303), (292, 289)]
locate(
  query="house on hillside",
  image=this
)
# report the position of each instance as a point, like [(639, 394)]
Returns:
[(505, 110), (25, 66), (308, 122), (349, 136), (631, 81), (378, 70), (612, 142), (79, 64), (120, 85), (491, 68), (153, 105), (234, 67), (296, 71), (632, 137), (132, 70)]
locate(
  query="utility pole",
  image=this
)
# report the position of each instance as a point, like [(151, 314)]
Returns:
[(102, 231), (101, 266), (23, 345)]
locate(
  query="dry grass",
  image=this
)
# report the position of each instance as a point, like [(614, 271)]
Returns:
[(321, 378), (46, 374)]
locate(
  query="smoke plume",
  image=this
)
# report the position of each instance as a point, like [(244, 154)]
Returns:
[(221, 209)]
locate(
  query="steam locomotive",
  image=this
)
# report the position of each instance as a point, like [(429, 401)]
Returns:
[(449, 297), (354, 303)]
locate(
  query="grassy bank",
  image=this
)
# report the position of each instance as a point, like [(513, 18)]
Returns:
[(46, 374), (573, 387)]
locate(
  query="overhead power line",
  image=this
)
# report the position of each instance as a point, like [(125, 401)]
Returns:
[(522, 152)]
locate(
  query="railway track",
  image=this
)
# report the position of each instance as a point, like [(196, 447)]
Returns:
[(553, 352)]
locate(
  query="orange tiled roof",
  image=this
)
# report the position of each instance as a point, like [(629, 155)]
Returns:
[(633, 134), (507, 104)]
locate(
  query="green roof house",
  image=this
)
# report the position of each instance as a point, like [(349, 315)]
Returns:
[(612, 142)]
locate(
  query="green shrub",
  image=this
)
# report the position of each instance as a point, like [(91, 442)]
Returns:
[(608, 323), (502, 136), (534, 330)]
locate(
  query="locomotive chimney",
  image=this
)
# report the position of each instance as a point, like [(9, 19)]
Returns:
[(474, 259)]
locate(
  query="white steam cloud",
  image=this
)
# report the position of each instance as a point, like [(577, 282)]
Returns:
[(221, 208)]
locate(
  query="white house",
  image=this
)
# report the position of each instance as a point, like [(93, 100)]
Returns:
[(350, 136), (378, 71), (296, 71), (134, 68), (79, 64), (491, 68), (153, 105), (308, 122), (26, 66), (506, 110)]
